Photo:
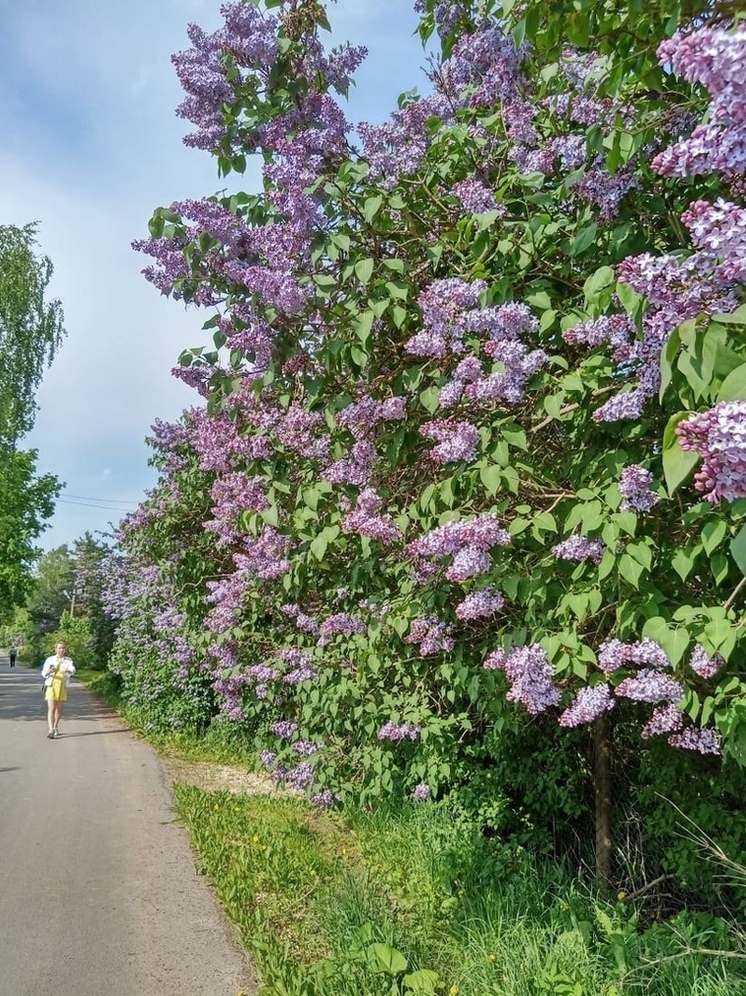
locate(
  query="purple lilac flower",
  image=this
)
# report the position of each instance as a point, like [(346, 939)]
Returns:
[(366, 520), (305, 747), (479, 604), (421, 792), (399, 731), (650, 686), (587, 705), (431, 635), (704, 741), (613, 654), (474, 195), (467, 563), (579, 548), (456, 440), (715, 58), (719, 436), (284, 728), (666, 718), (445, 305), (704, 665), (342, 623), (634, 486), (324, 798), (530, 674)]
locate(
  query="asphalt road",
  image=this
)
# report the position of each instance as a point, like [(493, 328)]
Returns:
[(98, 890)]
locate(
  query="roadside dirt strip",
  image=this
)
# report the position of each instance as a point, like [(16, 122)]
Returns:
[(98, 888)]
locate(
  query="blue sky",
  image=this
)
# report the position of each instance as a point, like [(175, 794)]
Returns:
[(91, 144)]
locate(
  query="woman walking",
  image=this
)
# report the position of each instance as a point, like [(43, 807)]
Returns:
[(56, 671)]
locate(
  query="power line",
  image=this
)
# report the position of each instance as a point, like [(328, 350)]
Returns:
[(94, 504), (119, 501)]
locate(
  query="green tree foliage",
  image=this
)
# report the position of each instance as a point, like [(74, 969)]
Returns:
[(26, 503), (31, 330), (68, 585)]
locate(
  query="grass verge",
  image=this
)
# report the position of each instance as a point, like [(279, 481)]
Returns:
[(412, 903)]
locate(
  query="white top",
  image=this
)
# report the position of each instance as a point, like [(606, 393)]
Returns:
[(53, 663)]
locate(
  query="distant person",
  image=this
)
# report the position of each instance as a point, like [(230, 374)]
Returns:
[(56, 671), (12, 654)]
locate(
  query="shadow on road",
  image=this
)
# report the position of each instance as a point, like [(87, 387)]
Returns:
[(21, 699), (94, 733)]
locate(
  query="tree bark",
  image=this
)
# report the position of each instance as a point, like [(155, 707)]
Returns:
[(602, 791)]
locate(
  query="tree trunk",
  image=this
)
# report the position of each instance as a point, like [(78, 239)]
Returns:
[(602, 790)]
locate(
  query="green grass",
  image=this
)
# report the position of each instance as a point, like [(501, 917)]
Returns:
[(412, 903)]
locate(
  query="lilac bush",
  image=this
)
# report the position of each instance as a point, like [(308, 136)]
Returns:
[(466, 386)]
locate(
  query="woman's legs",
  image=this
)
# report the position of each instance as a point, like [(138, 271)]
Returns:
[(54, 711), (57, 712)]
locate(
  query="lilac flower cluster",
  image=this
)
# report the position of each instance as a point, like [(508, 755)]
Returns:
[(474, 196), (635, 488), (366, 520), (484, 70), (513, 363), (232, 494), (361, 417), (456, 441), (649, 685), (342, 624), (613, 654), (589, 703), (354, 468), (467, 541), (530, 675), (717, 59), (703, 740), (479, 604), (299, 663), (431, 635), (719, 436), (579, 548), (264, 556), (702, 664), (421, 792), (324, 798), (399, 731), (303, 622), (398, 146), (284, 728), (666, 718), (446, 306), (306, 748)]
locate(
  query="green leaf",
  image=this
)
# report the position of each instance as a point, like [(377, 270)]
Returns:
[(683, 561), (429, 399), (733, 387), (678, 464), (372, 207), (583, 239), (387, 959), (364, 269), (668, 355), (630, 570), (491, 477), (713, 534), (738, 550), (423, 983)]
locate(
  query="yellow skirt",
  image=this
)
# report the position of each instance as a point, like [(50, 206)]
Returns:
[(57, 691)]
